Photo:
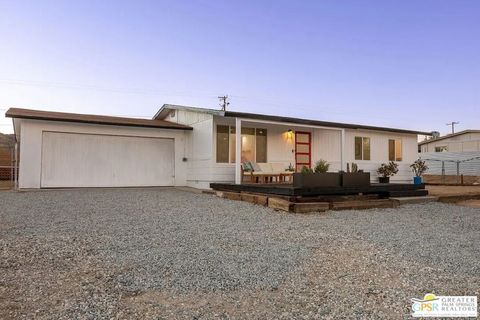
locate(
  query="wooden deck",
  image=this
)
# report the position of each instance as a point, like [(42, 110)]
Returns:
[(381, 189)]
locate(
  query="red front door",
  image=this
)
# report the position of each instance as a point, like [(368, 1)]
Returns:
[(303, 150)]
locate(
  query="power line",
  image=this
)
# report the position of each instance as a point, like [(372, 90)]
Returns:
[(77, 86)]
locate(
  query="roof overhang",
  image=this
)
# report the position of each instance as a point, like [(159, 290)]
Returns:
[(18, 113), (451, 135), (318, 123)]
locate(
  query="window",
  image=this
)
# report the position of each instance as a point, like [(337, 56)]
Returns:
[(254, 144), (248, 145), (222, 143), (441, 149), (261, 145), (362, 148), (395, 150)]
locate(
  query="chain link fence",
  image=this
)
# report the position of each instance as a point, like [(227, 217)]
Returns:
[(452, 167)]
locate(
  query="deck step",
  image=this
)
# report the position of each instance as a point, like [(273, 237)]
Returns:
[(254, 198), (408, 193), (310, 207), (414, 200), (280, 204), (364, 204)]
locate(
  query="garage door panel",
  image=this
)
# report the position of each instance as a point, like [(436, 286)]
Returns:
[(88, 160)]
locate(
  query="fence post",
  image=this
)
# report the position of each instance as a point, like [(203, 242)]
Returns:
[(458, 172), (15, 186), (12, 179)]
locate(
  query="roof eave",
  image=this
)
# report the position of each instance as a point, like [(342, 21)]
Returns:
[(320, 123), (11, 113)]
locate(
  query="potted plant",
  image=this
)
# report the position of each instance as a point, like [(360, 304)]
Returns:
[(290, 168), (355, 177), (316, 177), (418, 168), (386, 171)]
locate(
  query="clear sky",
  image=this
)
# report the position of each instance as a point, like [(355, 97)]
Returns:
[(408, 64)]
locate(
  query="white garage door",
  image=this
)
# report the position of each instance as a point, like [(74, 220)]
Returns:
[(89, 160)]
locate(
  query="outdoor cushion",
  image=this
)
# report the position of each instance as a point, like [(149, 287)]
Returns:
[(247, 166), (255, 166), (265, 167), (278, 167)]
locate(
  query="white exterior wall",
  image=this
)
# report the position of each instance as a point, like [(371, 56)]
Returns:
[(198, 147), (31, 145), (326, 144), (379, 152), (468, 142)]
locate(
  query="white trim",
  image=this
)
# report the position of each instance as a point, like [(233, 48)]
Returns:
[(342, 150), (290, 124), (238, 150)]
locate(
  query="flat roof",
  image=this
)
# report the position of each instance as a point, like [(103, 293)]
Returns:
[(91, 118), (451, 135), (319, 123)]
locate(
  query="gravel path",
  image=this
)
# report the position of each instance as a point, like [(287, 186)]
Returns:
[(165, 253)]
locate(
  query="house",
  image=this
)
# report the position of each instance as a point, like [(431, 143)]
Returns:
[(462, 141), (453, 158), (189, 146)]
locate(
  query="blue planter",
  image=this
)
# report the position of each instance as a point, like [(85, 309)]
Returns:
[(417, 180)]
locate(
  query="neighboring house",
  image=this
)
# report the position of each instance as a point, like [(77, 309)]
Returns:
[(463, 141), (187, 146)]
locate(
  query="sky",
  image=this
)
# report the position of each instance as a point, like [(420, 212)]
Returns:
[(405, 64)]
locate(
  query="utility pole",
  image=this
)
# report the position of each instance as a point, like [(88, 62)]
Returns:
[(453, 123), (223, 102)]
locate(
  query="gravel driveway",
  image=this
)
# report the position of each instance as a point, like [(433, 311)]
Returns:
[(167, 253)]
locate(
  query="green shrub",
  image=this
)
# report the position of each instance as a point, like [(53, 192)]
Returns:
[(388, 170), (419, 167), (321, 166)]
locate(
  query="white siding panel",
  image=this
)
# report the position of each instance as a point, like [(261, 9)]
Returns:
[(89, 160)]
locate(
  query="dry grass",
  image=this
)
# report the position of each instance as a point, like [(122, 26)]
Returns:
[(453, 190)]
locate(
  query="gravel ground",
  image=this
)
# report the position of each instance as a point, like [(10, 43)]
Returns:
[(166, 254)]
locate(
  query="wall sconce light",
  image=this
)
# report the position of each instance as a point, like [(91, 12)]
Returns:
[(289, 134)]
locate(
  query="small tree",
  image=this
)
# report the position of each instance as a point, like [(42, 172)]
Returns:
[(419, 167), (321, 166), (388, 170)]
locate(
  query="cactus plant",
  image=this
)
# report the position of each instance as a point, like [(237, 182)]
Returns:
[(354, 167)]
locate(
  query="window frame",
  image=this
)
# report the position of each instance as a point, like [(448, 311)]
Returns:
[(230, 133), (395, 155), (362, 148)]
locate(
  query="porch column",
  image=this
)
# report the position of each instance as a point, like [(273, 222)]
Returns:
[(342, 150), (238, 150)]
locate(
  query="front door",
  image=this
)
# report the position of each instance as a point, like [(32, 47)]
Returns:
[(303, 150)]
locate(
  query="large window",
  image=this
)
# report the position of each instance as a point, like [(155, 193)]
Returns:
[(362, 148), (254, 144), (395, 150)]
